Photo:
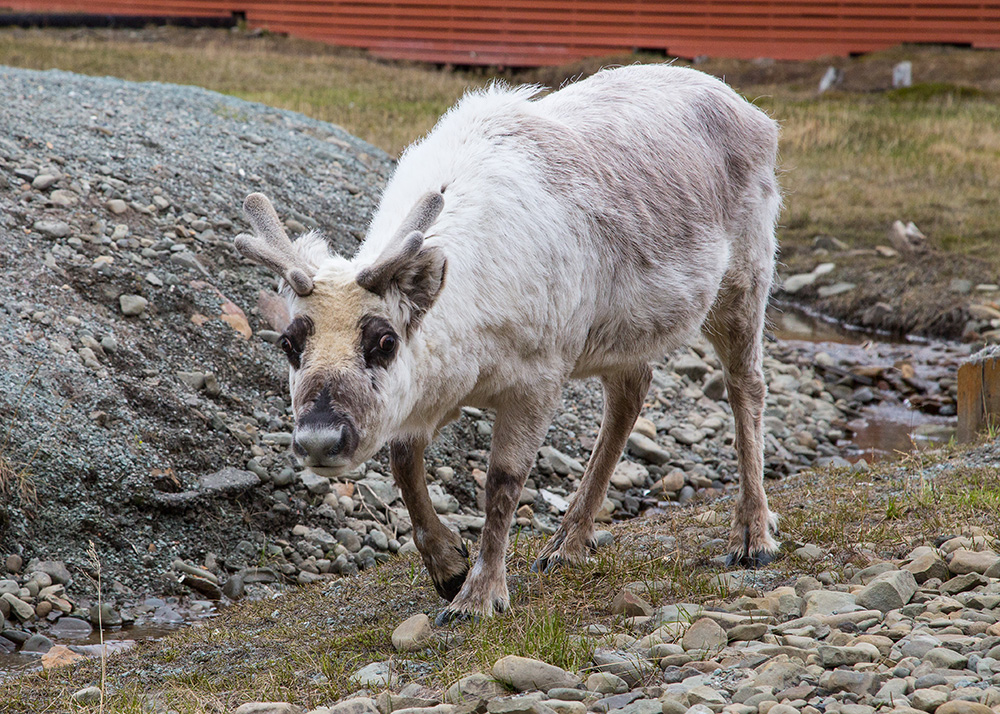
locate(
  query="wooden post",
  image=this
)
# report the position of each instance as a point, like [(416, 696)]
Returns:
[(978, 396)]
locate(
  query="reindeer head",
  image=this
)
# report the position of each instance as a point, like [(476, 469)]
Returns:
[(347, 333)]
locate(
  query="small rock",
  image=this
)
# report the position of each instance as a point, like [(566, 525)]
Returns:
[(14, 563), (705, 635), (357, 705), (526, 674), (19, 607), (116, 206), (928, 700), (945, 658), (846, 680), (926, 566), (889, 591), (959, 706), (376, 675), (53, 229), (412, 634), (37, 643), (474, 687), (964, 561), (644, 448), (87, 696), (606, 683), (133, 305), (629, 604)]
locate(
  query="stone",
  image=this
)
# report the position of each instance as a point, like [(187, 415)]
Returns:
[(779, 674), (55, 569), (832, 657), (888, 591), (235, 587), (926, 566), (567, 694), (606, 683), (628, 474), (19, 607), (828, 602), (52, 229), (846, 680), (37, 643), (562, 706), (413, 634), (794, 283), (964, 561), (63, 198), (928, 700), (629, 604), (642, 447), (827, 291), (524, 704), (87, 696), (640, 706), (474, 687), (963, 583), (356, 705), (628, 665), (104, 616), (615, 701), (687, 365), (376, 675), (132, 305), (59, 656), (747, 633), (705, 635), (116, 206), (13, 563), (715, 386), (526, 674), (561, 463), (959, 706), (70, 628), (945, 658)]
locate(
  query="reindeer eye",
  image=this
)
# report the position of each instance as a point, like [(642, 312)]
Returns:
[(387, 344), (291, 350)]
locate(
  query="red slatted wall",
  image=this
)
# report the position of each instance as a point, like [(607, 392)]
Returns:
[(539, 32)]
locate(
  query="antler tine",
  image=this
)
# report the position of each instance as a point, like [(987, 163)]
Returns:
[(270, 246), (405, 244), (421, 216)]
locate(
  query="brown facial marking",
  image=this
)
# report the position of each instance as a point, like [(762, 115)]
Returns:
[(293, 339), (379, 342)]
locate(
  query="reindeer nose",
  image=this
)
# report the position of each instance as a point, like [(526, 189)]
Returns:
[(317, 444), (324, 433)]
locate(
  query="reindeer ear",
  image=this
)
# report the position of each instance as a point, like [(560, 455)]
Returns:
[(422, 278), (274, 309)]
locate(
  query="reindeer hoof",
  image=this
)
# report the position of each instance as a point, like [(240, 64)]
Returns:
[(757, 559), (449, 616), (547, 564), (449, 588)]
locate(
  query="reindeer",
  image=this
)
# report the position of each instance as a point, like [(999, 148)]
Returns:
[(525, 241)]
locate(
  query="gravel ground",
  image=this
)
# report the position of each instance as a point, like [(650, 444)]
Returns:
[(145, 407)]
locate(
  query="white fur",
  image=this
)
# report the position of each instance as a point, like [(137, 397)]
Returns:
[(584, 230)]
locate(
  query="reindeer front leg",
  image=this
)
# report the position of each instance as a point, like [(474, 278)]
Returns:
[(517, 434), (441, 549)]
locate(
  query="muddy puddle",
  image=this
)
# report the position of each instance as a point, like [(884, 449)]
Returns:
[(88, 646), (909, 383)]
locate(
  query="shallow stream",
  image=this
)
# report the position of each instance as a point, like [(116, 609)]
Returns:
[(891, 424)]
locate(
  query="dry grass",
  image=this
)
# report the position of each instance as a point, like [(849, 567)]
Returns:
[(303, 646)]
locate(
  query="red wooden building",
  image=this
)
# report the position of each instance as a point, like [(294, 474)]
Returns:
[(540, 32)]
